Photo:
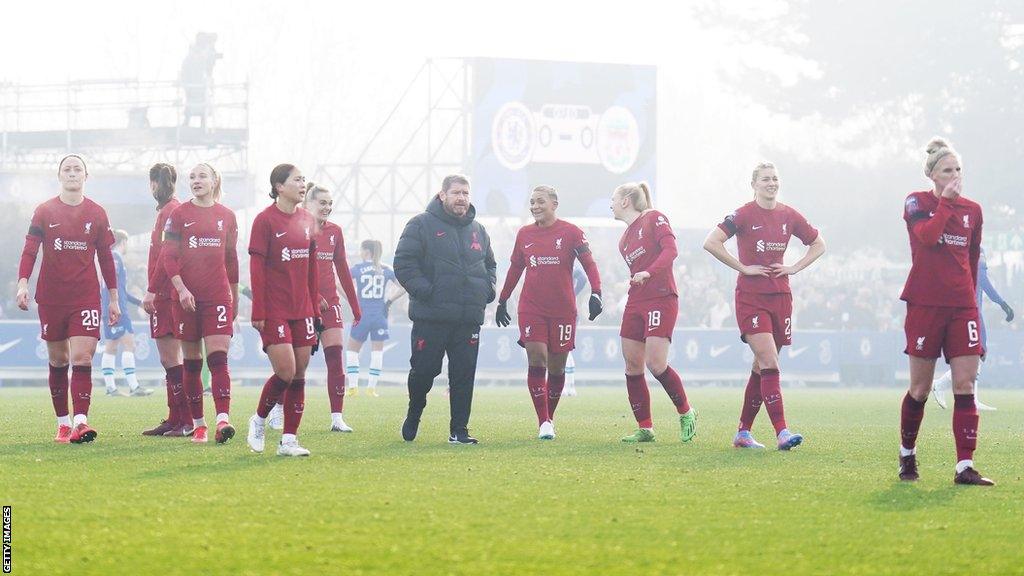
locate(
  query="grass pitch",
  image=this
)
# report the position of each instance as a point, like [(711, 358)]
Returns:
[(369, 503)]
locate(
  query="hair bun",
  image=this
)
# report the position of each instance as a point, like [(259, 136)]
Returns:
[(936, 144)]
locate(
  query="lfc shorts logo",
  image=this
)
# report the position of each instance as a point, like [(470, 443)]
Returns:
[(755, 321), (920, 343), (280, 331), (527, 331)]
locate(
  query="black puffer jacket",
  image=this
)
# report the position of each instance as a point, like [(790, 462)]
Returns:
[(447, 266)]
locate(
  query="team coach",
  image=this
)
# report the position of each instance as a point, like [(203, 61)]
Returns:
[(444, 260)]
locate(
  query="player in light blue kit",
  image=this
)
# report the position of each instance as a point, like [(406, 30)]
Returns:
[(579, 282), (372, 279), (985, 288), (120, 335)]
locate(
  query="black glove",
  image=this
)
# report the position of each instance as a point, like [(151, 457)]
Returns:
[(1008, 311), (501, 317), (596, 306), (387, 308), (318, 325)]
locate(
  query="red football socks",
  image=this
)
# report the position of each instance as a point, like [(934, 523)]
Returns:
[(294, 403), (220, 381), (172, 379), (556, 382), (536, 381), (273, 389), (59, 389), (335, 378), (751, 401), (673, 385), (965, 426), (911, 414), (771, 394), (192, 382), (81, 389), (639, 399)]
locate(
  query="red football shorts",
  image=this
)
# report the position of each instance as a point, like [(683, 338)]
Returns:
[(558, 333), (58, 322), (932, 330), (209, 319), (656, 317), (765, 314), (332, 318), (161, 322), (298, 333)]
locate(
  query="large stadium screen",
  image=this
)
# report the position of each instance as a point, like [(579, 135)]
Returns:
[(581, 127)]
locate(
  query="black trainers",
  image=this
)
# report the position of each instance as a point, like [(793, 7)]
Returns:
[(410, 427), (908, 468), (971, 477), (462, 438)]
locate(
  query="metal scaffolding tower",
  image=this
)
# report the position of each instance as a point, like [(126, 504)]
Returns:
[(123, 124), (377, 196)]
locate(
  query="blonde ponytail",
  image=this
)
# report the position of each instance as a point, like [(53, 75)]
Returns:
[(638, 193), (937, 149)]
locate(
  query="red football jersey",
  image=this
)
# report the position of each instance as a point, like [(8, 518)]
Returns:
[(548, 255), (200, 245), (945, 244), (762, 237), (70, 236), (330, 256), (640, 246), (159, 283), (287, 244)]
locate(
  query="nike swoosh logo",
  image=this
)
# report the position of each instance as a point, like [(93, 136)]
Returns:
[(440, 234), (9, 345), (187, 224), (930, 214), (756, 227), (797, 352), (527, 245), (54, 225), (279, 235), (969, 346), (219, 326), (718, 351)]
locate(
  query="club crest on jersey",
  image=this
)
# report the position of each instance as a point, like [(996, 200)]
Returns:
[(967, 220), (558, 244), (640, 234), (332, 239), (920, 343), (220, 225), (475, 244), (783, 228), (88, 227), (307, 232)]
